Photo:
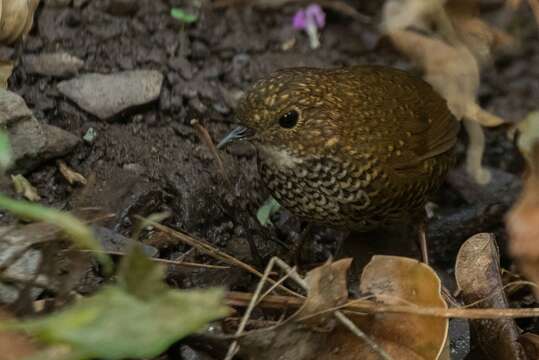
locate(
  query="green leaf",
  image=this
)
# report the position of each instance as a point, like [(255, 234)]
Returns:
[(113, 324), (140, 276), (183, 16), (264, 213), (76, 230), (5, 152)]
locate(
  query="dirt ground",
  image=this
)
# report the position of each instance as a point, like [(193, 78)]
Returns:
[(151, 159)]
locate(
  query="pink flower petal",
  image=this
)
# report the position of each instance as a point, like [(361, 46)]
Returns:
[(300, 20)]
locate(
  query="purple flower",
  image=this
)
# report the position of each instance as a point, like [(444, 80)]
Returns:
[(310, 19)]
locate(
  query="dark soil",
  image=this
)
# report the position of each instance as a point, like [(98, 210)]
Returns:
[(151, 159)]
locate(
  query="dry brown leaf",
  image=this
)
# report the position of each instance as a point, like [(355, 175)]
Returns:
[(327, 289), (400, 14), (398, 280), (522, 220), (530, 342), (15, 346), (477, 271), (6, 68), (454, 42), (534, 4), (478, 36), (23, 186), (313, 332), (454, 73), (528, 135), (16, 19), (71, 175), (521, 223)]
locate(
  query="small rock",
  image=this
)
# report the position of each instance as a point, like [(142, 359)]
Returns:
[(135, 168), (90, 135), (183, 66), (31, 142), (59, 64), (122, 7), (59, 142), (199, 50), (198, 105), (24, 268), (189, 353), (27, 138), (107, 95), (79, 3), (12, 108), (113, 241)]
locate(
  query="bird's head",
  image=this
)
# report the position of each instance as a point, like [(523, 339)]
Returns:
[(292, 111)]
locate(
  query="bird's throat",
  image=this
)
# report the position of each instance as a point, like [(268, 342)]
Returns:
[(278, 157)]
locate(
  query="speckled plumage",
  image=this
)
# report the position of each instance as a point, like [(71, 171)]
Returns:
[(371, 143)]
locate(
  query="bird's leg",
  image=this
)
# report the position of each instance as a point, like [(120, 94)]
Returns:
[(295, 251), (422, 242)]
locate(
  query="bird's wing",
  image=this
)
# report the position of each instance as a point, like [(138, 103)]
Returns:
[(401, 118)]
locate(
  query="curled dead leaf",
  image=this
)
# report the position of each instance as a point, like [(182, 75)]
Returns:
[(16, 19), (23, 186), (71, 175), (528, 135), (452, 45), (477, 271), (522, 220), (399, 280)]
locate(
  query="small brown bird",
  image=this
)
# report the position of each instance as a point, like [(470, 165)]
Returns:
[(359, 147)]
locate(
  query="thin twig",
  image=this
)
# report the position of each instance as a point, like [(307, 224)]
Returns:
[(234, 347), (204, 135), (208, 249), (274, 286), (292, 273), (13, 258), (496, 292), (17, 279), (360, 334), (368, 307), (164, 261)]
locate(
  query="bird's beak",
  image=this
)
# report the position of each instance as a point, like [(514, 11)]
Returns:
[(238, 134)]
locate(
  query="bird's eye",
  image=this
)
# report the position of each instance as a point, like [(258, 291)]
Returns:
[(289, 120)]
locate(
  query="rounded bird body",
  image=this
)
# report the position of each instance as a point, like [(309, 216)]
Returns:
[(357, 147)]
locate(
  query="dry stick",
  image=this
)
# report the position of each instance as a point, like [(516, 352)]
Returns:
[(164, 261), (13, 258), (241, 299), (364, 307), (206, 138), (491, 313), (234, 347), (494, 293), (273, 287), (216, 253), (360, 334)]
